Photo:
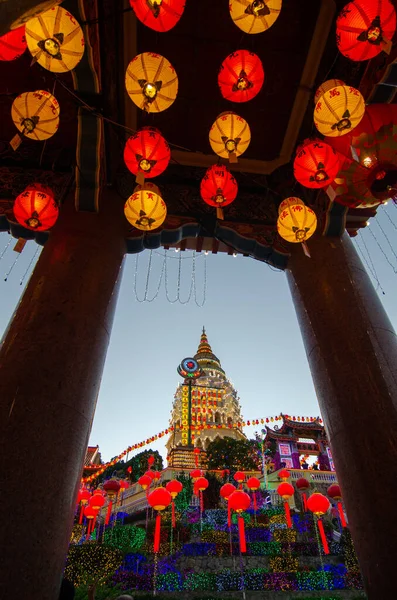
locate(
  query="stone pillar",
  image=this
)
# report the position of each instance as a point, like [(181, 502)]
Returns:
[(51, 361), (352, 352)]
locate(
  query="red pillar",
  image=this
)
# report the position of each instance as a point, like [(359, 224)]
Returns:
[(51, 362), (352, 352)]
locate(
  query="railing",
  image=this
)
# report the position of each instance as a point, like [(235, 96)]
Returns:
[(309, 474)]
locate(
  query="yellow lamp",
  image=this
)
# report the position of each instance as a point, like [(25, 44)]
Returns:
[(338, 110), (151, 82), (254, 16), (55, 40), (230, 136), (296, 222), (145, 209), (36, 114)]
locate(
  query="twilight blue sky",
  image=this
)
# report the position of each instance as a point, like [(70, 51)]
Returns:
[(250, 322)]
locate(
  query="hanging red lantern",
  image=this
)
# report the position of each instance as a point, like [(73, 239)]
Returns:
[(111, 487), (319, 504), (334, 492), (159, 499), (97, 501), (145, 481), (239, 501), (241, 76), (316, 164), (90, 514), (160, 15), (196, 452), (174, 487), (286, 491), (254, 484), (156, 475), (146, 154), (150, 461), (218, 188), (149, 474), (302, 484), (239, 476), (36, 208), (364, 28), (195, 474), (83, 497), (226, 491), (284, 474), (201, 484), (13, 44)]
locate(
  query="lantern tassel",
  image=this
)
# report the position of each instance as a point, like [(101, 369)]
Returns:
[(140, 180), (232, 157), (241, 533), (157, 533), (201, 501), (304, 502), (341, 514), (229, 519), (173, 514), (109, 512), (322, 535), (87, 537), (306, 250), (255, 504), (196, 460), (287, 515), (81, 514), (219, 213)]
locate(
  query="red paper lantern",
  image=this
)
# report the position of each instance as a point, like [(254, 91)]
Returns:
[(218, 188), (284, 474), (84, 496), (145, 481), (302, 483), (97, 501), (195, 474), (13, 44), (124, 485), (364, 28), (201, 484), (149, 474), (111, 487), (239, 501), (253, 483), (36, 208), (156, 475), (174, 487), (318, 504), (90, 512), (227, 490), (334, 492), (241, 76), (160, 15), (147, 154), (285, 490), (159, 499), (239, 476), (316, 164), (150, 460)]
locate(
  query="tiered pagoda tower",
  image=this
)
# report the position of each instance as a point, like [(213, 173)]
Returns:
[(216, 410)]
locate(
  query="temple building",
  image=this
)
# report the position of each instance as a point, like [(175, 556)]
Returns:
[(215, 410)]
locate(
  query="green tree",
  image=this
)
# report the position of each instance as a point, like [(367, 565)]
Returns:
[(227, 453), (138, 464)]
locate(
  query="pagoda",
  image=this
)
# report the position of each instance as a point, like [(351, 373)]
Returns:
[(215, 411)]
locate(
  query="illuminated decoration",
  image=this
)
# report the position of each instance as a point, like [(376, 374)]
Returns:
[(230, 136), (316, 164), (254, 16), (156, 475), (319, 505), (302, 485), (150, 461), (364, 28), (189, 369), (241, 76), (35, 208), (55, 40), (112, 488), (160, 15), (149, 474), (201, 484), (13, 44), (145, 209), (127, 538), (159, 499), (83, 497), (226, 491), (254, 484), (325, 86), (151, 82), (296, 222), (146, 153), (174, 487), (334, 492), (36, 114), (286, 491), (338, 110), (218, 188), (195, 474), (90, 564), (284, 474), (239, 501), (239, 476), (144, 481), (196, 452), (97, 500), (90, 514)]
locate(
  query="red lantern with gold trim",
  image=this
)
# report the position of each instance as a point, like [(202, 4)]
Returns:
[(302, 484), (319, 505), (90, 514), (364, 28), (241, 76), (226, 491), (218, 188), (316, 164), (159, 499), (239, 501), (286, 491), (160, 15), (36, 208), (13, 44), (334, 492), (174, 487), (146, 153), (254, 484), (284, 474)]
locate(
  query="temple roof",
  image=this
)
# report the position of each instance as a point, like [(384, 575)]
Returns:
[(92, 456), (205, 357)]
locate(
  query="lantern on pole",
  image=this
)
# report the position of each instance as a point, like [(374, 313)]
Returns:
[(112, 488), (13, 44), (365, 28), (35, 208), (83, 497), (97, 500), (156, 476), (159, 15), (334, 492), (159, 499), (146, 154), (229, 136), (201, 484), (254, 484), (241, 76), (226, 491), (145, 209), (150, 461), (318, 505), (316, 164), (55, 40), (174, 487), (218, 188), (151, 82), (90, 514), (196, 453), (195, 474), (296, 222), (286, 491), (239, 501), (239, 476), (338, 110), (284, 474), (303, 485), (254, 16), (145, 482), (36, 114)]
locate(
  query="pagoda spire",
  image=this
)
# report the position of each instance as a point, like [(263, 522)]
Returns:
[(206, 358), (204, 344)]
